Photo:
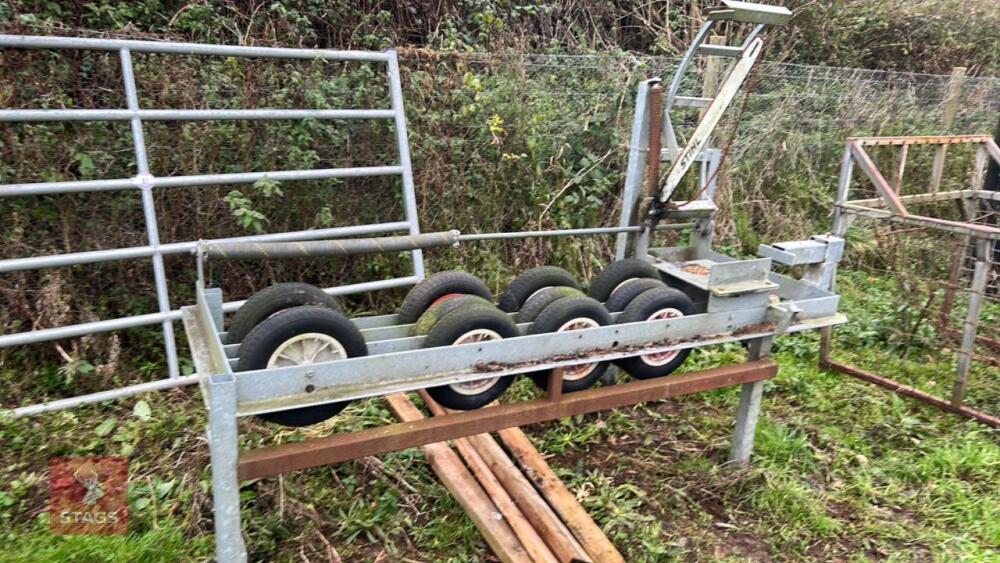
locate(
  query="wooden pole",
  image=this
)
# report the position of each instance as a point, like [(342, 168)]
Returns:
[(533, 543), (897, 178), (713, 68), (951, 103), (465, 489), (559, 497), (541, 515), (545, 520)]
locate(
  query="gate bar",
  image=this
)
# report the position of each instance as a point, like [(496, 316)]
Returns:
[(37, 115), (149, 210), (171, 48), (41, 188), (403, 145), (111, 255)]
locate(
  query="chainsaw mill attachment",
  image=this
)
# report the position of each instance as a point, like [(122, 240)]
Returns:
[(645, 200)]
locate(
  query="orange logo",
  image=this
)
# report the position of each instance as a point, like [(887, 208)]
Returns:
[(88, 495)]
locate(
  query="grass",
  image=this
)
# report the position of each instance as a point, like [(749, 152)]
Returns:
[(842, 471)]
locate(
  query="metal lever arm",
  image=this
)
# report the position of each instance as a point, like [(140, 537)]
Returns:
[(702, 133)]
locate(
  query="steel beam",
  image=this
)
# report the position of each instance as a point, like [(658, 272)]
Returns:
[(919, 140), (908, 391), (280, 459)]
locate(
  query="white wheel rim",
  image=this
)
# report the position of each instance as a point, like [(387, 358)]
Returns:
[(537, 291), (480, 385), (578, 371), (621, 285), (662, 358), (307, 348)]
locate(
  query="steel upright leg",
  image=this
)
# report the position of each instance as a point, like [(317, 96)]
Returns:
[(983, 254), (223, 440), (749, 409)]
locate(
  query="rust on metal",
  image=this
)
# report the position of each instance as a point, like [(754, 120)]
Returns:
[(655, 130), (275, 460), (884, 189), (908, 391), (921, 140), (696, 269)]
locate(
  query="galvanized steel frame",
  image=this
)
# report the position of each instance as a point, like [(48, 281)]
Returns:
[(145, 183), (398, 363)]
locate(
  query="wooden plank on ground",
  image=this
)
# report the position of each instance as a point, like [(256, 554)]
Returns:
[(559, 497), (530, 539), (545, 520), (464, 487)]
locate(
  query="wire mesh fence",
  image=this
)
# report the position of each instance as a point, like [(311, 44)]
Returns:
[(499, 142)]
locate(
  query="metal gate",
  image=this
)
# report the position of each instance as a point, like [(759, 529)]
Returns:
[(145, 182)]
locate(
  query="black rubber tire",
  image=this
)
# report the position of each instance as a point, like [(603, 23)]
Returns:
[(434, 313), (629, 290), (264, 339), (617, 272), (539, 301), (269, 301), (425, 293), (526, 284), (640, 309), (452, 326), (554, 316)]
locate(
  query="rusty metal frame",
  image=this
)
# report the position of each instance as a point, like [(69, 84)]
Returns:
[(275, 460), (891, 206)]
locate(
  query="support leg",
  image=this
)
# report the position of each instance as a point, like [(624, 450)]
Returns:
[(984, 251), (749, 410), (223, 441)]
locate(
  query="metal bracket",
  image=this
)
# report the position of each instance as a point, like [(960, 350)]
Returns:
[(818, 249), (783, 314)]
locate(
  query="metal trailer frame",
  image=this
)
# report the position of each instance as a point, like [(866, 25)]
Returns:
[(145, 183), (736, 300), (984, 239), (396, 363)]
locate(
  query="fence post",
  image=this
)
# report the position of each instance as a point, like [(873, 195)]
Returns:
[(713, 68), (951, 102)]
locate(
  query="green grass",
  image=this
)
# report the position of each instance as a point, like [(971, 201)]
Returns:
[(841, 470)]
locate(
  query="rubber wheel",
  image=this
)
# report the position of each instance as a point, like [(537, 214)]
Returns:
[(530, 282), (425, 293), (542, 299), (629, 290), (267, 302), (655, 304), (468, 325), (288, 338), (617, 272), (572, 313), (442, 307)]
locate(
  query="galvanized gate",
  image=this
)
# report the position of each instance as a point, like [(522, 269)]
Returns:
[(145, 182)]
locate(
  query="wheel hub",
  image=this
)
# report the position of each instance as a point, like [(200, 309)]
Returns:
[(579, 371), (307, 348), (662, 358), (480, 385)]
